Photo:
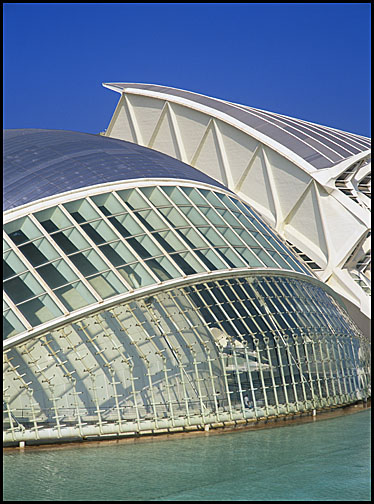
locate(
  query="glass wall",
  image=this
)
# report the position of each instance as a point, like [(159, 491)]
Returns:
[(239, 348), (67, 257)]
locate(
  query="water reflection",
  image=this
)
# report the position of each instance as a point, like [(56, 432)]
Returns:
[(325, 460)]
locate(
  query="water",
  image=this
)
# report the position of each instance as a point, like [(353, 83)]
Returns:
[(323, 460)]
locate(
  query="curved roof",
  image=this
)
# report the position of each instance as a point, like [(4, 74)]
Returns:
[(320, 146), (39, 163)]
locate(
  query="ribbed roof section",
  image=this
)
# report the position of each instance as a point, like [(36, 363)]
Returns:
[(39, 163), (321, 146)]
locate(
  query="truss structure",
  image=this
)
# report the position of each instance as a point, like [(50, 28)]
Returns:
[(311, 183)]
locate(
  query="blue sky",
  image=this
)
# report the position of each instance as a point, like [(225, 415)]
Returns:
[(310, 61)]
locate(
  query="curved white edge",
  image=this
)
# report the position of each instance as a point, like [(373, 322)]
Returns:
[(42, 204), (281, 149), (162, 286), (228, 119)]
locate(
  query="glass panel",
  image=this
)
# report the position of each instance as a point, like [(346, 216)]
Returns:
[(22, 230), (248, 239), (266, 259), (108, 204), (70, 241), (212, 236), (117, 253), (227, 201), (75, 296), (169, 241), (40, 310), (144, 246), (230, 236), (173, 217), (210, 214), (126, 225), (107, 284), (212, 198), (230, 257), (192, 238), (88, 262), (187, 263), (21, 288), (5, 246), (280, 260), (136, 275), (163, 268), (175, 195), (249, 257), (11, 325), (52, 219), (39, 252), (195, 196), (12, 265), (228, 217), (81, 210), (151, 220), (99, 232), (133, 199), (155, 196), (211, 259), (56, 274)]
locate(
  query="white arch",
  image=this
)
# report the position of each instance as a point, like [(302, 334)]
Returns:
[(303, 203)]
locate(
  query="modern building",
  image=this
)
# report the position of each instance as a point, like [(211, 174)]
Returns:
[(311, 183), (144, 295)]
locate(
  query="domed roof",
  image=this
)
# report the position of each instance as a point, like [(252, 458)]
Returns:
[(39, 163)]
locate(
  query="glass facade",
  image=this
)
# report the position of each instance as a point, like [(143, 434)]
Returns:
[(161, 305), (79, 253), (248, 347)]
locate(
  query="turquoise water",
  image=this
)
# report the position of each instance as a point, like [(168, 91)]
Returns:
[(324, 460)]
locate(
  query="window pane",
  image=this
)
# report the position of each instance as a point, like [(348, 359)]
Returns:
[(21, 288), (12, 265), (144, 246), (70, 241), (249, 257), (81, 210), (22, 230), (150, 220), (212, 198), (88, 262), (192, 238), (195, 196), (108, 204), (163, 268), (117, 253), (38, 311), (99, 232), (187, 263), (169, 241), (175, 195), (173, 217), (57, 273), (75, 296), (133, 199), (212, 236), (193, 215), (155, 196), (107, 284), (39, 252), (52, 219), (136, 275), (11, 325), (126, 225)]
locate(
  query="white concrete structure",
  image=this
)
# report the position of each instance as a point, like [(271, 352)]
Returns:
[(311, 183)]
